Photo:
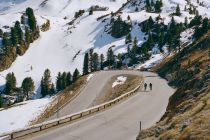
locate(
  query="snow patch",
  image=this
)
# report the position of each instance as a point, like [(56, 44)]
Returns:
[(154, 59), (21, 114), (119, 81), (89, 77)]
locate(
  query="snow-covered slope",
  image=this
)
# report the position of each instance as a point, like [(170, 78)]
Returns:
[(21, 114), (56, 48)]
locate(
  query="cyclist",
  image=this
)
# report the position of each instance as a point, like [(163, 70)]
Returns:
[(150, 86), (145, 86)]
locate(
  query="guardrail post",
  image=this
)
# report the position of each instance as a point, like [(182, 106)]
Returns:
[(12, 136), (140, 125)]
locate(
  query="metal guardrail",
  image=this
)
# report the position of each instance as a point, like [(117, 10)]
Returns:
[(68, 118)]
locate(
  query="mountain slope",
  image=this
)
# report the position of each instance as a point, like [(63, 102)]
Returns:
[(188, 110), (57, 48)]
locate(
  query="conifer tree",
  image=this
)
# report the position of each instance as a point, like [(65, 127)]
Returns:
[(1, 33), (52, 89), (110, 57), (76, 75), (101, 61), (86, 64), (135, 47), (10, 83), (128, 18), (128, 39), (161, 40), (178, 12), (119, 62), (31, 18), (120, 28), (95, 62), (59, 82), (6, 40), (28, 86), (148, 6), (68, 79), (46, 83), (19, 32), (205, 25), (186, 22), (63, 77), (91, 60), (158, 6), (27, 36), (14, 37)]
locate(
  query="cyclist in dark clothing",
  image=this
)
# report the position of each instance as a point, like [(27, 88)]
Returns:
[(145, 86), (150, 86)]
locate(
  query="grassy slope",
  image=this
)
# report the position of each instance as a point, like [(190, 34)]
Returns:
[(187, 115)]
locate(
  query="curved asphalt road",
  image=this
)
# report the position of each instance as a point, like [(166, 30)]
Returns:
[(93, 89), (120, 122)]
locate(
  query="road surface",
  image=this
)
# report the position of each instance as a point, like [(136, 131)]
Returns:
[(120, 122), (92, 91)]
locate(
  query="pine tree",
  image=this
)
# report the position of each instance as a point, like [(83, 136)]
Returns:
[(178, 12), (148, 6), (91, 12), (27, 36), (136, 9), (19, 32), (161, 40), (205, 25), (14, 37), (190, 10), (63, 77), (172, 27), (76, 75), (10, 83), (52, 89), (31, 18), (110, 57), (135, 47), (46, 83), (86, 64), (128, 18), (101, 61), (59, 82), (186, 22), (6, 41), (91, 60), (150, 22), (95, 62), (120, 28), (158, 6), (128, 39), (185, 8), (119, 62), (1, 33), (68, 79), (28, 86), (128, 50)]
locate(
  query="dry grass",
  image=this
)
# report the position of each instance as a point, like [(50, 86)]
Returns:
[(187, 118), (64, 96), (112, 93)]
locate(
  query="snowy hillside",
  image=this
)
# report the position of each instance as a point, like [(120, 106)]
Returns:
[(56, 48)]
